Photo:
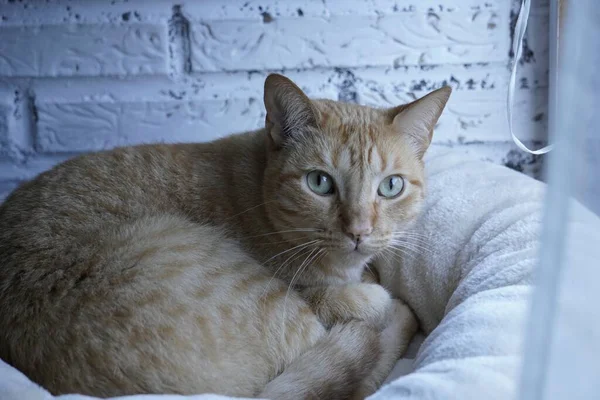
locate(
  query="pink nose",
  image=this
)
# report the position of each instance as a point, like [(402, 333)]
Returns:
[(358, 230)]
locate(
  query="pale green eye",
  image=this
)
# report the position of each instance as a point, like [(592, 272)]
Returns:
[(320, 182), (391, 186)]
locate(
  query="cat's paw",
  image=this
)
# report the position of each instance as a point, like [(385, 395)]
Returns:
[(401, 327), (368, 302), (393, 342), (362, 301)]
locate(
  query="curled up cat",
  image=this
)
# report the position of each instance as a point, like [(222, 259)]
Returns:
[(235, 267)]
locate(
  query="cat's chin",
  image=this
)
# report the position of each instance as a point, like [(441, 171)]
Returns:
[(362, 251), (342, 266), (353, 257)]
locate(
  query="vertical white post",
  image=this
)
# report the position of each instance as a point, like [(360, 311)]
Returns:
[(563, 338)]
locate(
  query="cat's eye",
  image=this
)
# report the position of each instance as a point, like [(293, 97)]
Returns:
[(320, 182), (391, 187)]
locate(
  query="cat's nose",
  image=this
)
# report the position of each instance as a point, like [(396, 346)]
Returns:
[(358, 231)]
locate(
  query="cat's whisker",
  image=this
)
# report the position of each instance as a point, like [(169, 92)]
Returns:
[(323, 254), (250, 209), (302, 266), (409, 243), (290, 249), (405, 252), (304, 263), (273, 243), (416, 247), (410, 235), (293, 256), (389, 255), (423, 244), (386, 257), (286, 231), (394, 259), (419, 248), (412, 239), (286, 262), (318, 257), (393, 250), (411, 232), (419, 241), (371, 270), (399, 246), (300, 248), (309, 262)]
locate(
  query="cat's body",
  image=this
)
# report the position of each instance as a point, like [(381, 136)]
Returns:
[(166, 268)]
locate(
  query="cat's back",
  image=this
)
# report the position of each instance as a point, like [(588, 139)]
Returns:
[(76, 200), (115, 184), (125, 183), (60, 215), (107, 279)]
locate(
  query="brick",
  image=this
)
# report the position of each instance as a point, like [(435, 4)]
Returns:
[(55, 12), (83, 50), (190, 121), (76, 127), (403, 39), (10, 138), (96, 126), (253, 9)]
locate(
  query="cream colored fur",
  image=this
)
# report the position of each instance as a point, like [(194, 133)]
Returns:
[(196, 268)]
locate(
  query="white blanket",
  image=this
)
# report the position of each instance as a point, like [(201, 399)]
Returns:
[(469, 288)]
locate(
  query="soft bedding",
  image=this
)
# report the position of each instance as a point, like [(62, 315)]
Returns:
[(467, 278), (470, 286)]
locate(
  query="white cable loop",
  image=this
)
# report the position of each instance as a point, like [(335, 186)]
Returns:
[(517, 47)]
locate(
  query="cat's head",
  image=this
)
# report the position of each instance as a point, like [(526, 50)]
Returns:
[(348, 176)]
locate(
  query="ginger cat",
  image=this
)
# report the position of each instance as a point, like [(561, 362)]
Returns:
[(233, 267)]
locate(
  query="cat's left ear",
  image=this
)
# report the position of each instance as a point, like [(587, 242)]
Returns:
[(289, 111), (417, 119)]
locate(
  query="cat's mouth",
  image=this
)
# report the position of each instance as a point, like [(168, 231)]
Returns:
[(360, 247), (342, 244)]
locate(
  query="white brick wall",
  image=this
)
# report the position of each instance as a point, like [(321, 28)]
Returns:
[(86, 75)]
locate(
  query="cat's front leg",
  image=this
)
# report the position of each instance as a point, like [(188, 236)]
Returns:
[(368, 302), (393, 342), (392, 319)]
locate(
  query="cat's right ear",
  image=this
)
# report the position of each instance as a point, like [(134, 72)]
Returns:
[(289, 110)]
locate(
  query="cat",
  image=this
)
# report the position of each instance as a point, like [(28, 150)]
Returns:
[(236, 267)]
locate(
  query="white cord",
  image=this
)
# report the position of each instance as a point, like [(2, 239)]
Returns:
[(517, 47)]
